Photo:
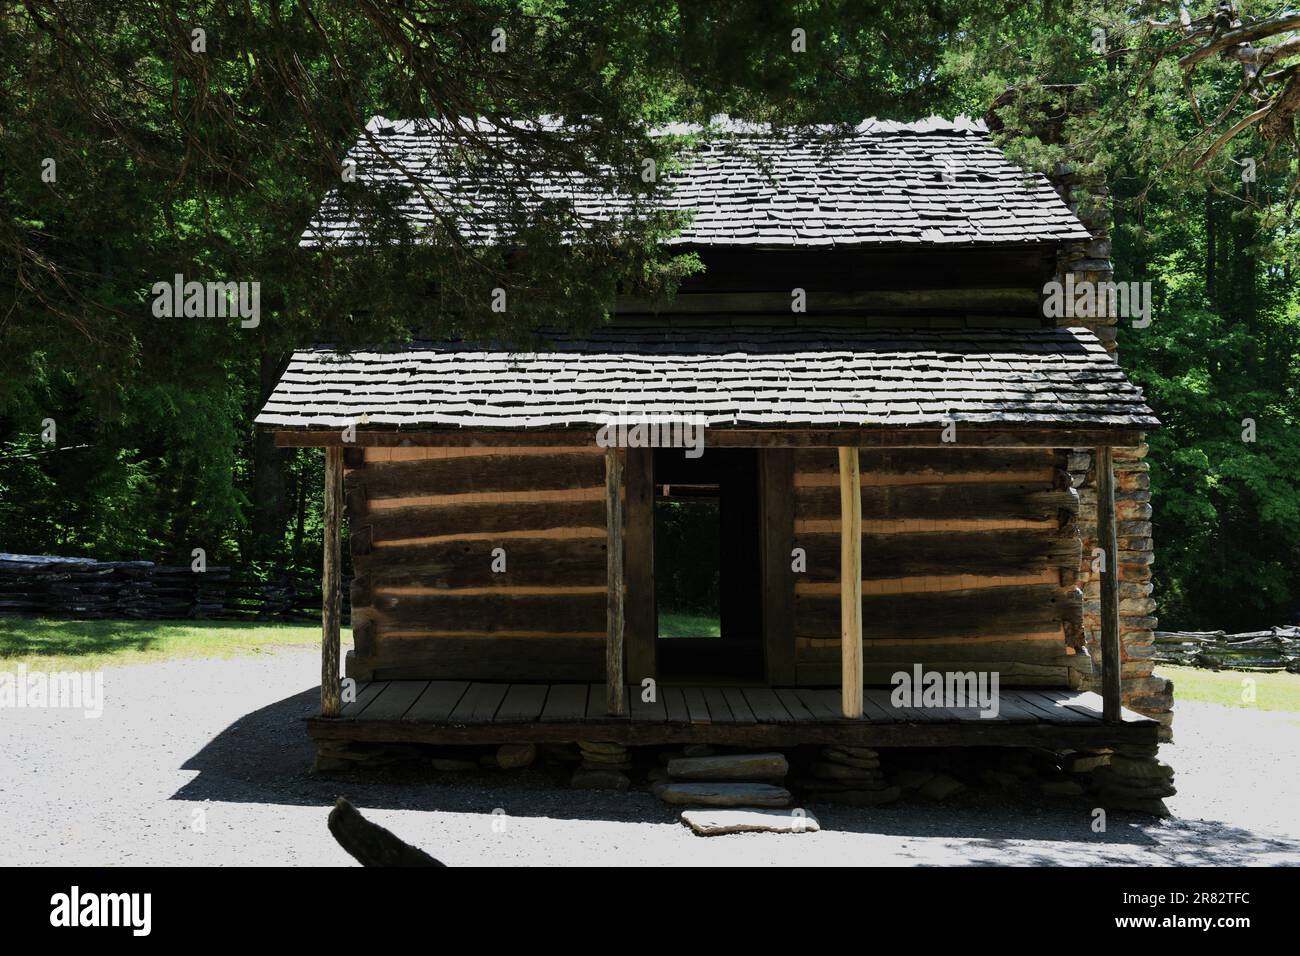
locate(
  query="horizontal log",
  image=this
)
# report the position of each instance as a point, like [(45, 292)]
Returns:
[(1000, 500), (494, 590), (1015, 299), (480, 474), (1010, 673), (936, 462), (411, 634), (396, 455), (447, 522), (820, 321), (1035, 648), (884, 466), (490, 612), (450, 658), (743, 270), (942, 553), (528, 562), (410, 503), (967, 613)]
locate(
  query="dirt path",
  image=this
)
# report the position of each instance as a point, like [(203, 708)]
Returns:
[(219, 742)]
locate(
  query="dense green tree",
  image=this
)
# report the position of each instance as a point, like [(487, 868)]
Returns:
[(133, 149), (1188, 110), (142, 140)]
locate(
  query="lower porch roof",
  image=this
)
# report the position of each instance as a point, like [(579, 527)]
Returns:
[(732, 378)]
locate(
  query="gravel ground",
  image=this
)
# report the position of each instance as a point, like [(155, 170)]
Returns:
[(219, 742)]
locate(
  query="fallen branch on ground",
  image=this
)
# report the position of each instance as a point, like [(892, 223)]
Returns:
[(369, 843)]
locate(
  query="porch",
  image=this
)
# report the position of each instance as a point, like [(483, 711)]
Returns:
[(475, 712), (987, 576)]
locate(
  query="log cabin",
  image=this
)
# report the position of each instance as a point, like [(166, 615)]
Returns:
[(916, 467)]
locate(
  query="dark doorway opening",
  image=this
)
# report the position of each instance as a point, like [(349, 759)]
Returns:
[(708, 565)]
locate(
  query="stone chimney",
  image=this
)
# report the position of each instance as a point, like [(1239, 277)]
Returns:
[(1088, 197)]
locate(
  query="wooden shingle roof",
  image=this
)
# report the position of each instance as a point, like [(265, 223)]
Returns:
[(933, 182), (731, 377)]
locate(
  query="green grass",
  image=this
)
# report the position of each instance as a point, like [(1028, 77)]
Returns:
[(45, 644), (1273, 691), (678, 624)]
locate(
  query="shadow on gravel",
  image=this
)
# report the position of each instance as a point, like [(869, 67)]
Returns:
[(266, 757), (1007, 823)]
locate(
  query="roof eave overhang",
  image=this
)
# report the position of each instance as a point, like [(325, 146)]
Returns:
[(793, 436)]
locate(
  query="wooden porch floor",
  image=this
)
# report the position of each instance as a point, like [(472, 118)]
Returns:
[(465, 712)]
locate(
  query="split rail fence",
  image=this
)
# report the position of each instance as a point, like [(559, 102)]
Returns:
[(45, 586), (1278, 648)]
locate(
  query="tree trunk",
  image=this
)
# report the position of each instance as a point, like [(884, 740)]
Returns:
[(1209, 246), (300, 480)]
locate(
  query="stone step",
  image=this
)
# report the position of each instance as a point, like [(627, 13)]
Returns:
[(847, 758), (599, 747), (837, 771), (772, 766), (712, 822), (723, 794)]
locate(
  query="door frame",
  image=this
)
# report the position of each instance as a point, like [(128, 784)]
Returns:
[(776, 511)]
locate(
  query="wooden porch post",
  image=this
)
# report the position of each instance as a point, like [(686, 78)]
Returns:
[(615, 692), (639, 564), (331, 589), (850, 584), (1107, 539)]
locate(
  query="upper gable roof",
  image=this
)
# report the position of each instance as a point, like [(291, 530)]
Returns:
[(884, 183)]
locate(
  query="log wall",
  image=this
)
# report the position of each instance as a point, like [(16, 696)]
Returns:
[(933, 289), (426, 599), (969, 556)]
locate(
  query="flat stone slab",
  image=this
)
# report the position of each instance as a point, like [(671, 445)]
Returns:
[(511, 756), (771, 766), (723, 794), (848, 759), (941, 787), (1084, 763), (713, 822), (600, 747), (1140, 768), (837, 771)]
